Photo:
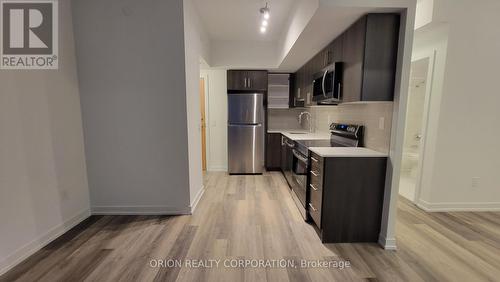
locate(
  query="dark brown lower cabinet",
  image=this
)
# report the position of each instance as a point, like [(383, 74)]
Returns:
[(346, 197), (273, 151)]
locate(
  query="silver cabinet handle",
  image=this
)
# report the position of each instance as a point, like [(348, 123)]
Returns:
[(246, 82), (314, 188), (315, 160), (312, 207), (314, 173), (289, 145)]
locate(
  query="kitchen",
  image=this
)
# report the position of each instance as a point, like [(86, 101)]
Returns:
[(327, 128)]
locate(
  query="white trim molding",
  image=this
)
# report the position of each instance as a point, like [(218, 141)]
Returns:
[(140, 210), (387, 243), (197, 199), (457, 206), (35, 245)]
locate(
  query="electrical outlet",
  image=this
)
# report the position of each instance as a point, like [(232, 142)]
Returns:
[(381, 123), (475, 182)]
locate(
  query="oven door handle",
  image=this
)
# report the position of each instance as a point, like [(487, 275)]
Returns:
[(299, 156)]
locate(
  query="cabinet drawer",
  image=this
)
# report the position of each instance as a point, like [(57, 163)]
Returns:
[(316, 178), (316, 162), (315, 214), (314, 207)]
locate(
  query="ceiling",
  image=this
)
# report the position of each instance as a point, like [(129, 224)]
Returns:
[(297, 30), (240, 20)]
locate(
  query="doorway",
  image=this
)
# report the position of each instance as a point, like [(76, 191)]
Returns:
[(203, 125), (416, 120)]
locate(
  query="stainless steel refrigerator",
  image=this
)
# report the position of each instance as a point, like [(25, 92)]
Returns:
[(245, 131)]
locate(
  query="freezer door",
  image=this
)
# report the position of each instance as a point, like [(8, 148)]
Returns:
[(245, 148), (245, 108)]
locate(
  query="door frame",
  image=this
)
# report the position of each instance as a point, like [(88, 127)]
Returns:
[(205, 150), (431, 55)]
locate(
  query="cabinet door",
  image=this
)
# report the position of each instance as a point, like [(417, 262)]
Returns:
[(317, 63), (256, 80), (328, 55), (381, 49), (273, 151), (353, 54), (236, 80), (300, 84), (308, 76), (336, 49), (283, 152)]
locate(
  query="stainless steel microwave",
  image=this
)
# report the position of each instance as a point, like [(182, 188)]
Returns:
[(327, 84)]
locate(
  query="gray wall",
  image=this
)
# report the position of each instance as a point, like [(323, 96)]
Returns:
[(43, 181), (133, 94)]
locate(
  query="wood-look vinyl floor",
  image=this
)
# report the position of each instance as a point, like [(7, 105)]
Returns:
[(254, 217)]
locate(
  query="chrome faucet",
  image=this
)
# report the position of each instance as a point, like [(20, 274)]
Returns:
[(308, 115)]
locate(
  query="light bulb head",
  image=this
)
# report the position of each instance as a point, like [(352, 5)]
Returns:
[(262, 29), (264, 23), (265, 12)]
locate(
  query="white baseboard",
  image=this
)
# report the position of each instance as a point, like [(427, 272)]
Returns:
[(387, 243), (197, 199), (217, 168), (449, 207), (140, 210), (30, 248)]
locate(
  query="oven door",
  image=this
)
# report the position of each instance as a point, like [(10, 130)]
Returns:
[(299, 174)]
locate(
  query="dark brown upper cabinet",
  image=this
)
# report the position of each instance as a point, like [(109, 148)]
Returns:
[(247, 80), (370, 49)]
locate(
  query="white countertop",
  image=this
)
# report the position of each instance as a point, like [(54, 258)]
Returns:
[(301, 134), (346, 152)]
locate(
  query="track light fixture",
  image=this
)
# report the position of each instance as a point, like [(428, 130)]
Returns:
[(265, 12)]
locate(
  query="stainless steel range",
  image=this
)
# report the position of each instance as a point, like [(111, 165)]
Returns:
[(342, 135)]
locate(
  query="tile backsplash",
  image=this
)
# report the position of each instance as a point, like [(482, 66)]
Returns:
[(285, 119), (376, 117)]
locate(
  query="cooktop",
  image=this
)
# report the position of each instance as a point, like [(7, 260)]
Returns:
[(303, 145)]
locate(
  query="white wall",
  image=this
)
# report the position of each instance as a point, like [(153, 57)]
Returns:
[(131, 68), (216, 104), (43, 182), (196, 46), (424, 13), (465, 118), (243, 54)]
